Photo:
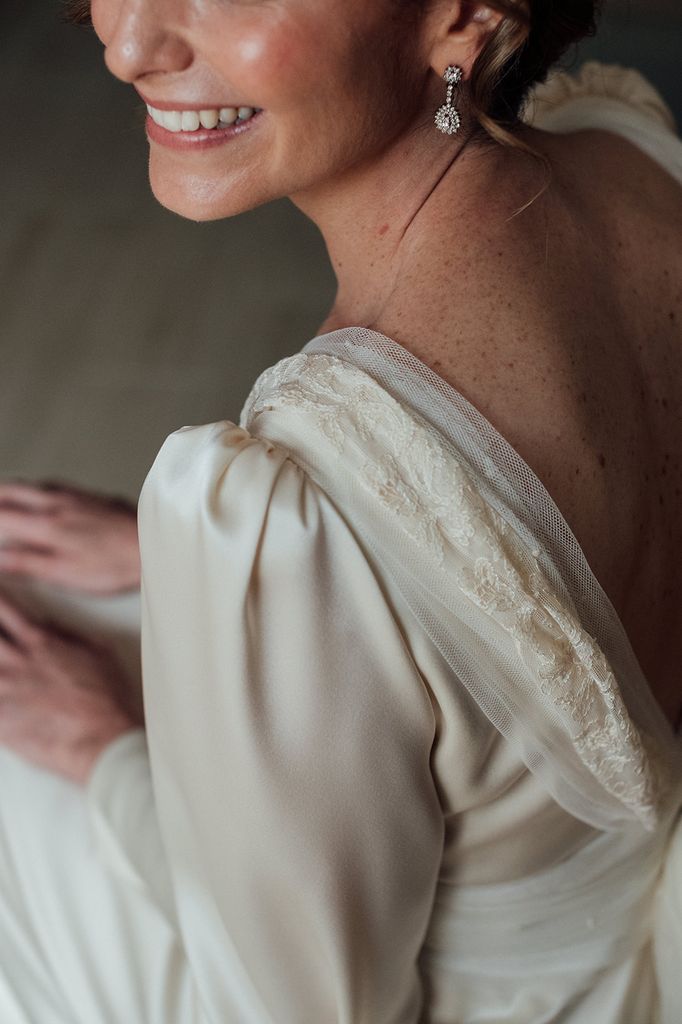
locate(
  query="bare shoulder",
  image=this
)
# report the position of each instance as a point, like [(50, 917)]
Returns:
[(632, 207), (627, 166), (609, 220), (612, 175), (562, 326), (553, 322)]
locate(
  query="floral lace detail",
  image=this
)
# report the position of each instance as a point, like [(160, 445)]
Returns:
[(572, 672), (360, 416), (595, 79), (400, 459)]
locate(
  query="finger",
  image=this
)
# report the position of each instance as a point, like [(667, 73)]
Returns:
[(26, 495), (24, 563), (16, 626), (41, 565), (32, 527), (10, 655), (5, 640), (56, 489)]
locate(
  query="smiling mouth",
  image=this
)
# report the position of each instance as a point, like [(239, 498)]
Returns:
[(194, 120)]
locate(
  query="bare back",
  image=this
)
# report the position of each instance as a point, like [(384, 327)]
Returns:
[(562, 327)]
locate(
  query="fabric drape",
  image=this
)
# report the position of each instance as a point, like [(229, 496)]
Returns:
[(400, 765)]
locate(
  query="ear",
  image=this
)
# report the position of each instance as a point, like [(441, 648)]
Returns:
[(459, 31)]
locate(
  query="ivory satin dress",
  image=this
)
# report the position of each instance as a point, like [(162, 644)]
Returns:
[(401, 764)]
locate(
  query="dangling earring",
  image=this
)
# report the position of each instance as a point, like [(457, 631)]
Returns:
[(447, 117)]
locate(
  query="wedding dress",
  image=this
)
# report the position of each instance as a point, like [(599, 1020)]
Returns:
[(401, 763)]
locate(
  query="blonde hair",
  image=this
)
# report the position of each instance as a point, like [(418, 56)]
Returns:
[(528, 40)]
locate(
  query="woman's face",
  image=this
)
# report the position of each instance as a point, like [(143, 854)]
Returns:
[(333, 81)]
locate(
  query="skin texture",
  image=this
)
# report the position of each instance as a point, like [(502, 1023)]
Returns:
[(354, 147), (348, 89), (62, 702), (69, 538), (424, 235), (378, 86)]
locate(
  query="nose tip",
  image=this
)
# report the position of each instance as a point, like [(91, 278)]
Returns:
[(141, 45)]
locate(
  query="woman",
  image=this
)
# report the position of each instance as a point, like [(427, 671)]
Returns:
[(404, 759)]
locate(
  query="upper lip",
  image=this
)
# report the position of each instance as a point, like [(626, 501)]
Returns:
[(174, 105)]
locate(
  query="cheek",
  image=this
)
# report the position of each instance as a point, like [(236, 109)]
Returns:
[(276, 63)]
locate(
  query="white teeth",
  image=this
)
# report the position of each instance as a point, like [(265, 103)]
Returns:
[(189, 121), (172, 120), (156, 116), (192, 120), (208, 118)]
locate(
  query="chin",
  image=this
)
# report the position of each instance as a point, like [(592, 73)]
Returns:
[(205, 199)]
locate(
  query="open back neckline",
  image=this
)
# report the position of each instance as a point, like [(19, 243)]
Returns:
[(618, 101), (480, 424)]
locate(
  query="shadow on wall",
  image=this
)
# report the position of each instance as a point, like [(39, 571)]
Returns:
[(121, 322)]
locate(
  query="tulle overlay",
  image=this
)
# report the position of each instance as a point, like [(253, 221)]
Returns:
[(410, 469), (401, 763), (421, 512)]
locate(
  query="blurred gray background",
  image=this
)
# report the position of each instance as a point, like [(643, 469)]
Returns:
[(120, 322)]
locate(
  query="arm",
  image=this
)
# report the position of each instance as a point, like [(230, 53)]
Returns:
[(290, 736)]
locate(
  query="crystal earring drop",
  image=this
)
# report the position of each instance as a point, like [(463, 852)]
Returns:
[(447, 117)]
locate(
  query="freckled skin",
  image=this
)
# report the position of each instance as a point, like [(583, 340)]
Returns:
[(560, 324), (348, 90), (267, 55)]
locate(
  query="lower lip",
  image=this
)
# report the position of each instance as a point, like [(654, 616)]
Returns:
[(203, 138)]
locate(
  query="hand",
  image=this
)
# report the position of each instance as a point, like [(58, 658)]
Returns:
[(62, 701), (68, 537)]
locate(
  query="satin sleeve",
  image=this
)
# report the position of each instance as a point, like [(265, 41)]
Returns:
[(289, 735)]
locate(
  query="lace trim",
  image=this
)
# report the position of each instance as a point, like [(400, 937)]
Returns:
[(594, 79), (398, 459)]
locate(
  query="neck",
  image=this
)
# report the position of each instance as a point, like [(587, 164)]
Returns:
[(370, 217)]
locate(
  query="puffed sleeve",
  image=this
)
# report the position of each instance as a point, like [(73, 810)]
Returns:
[(289, 735), (612, 98)]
